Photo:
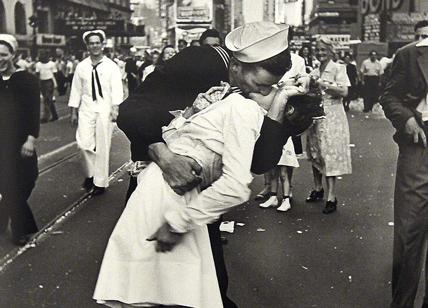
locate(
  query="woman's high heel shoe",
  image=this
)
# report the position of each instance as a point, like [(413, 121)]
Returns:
[(315, 195), (330, 207)]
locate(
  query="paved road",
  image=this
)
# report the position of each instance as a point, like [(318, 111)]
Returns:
[(302, 258)]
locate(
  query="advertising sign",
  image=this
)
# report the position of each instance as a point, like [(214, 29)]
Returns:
[(76, 26), (44, 39), (401, 26), (371, 27), (200, 11)]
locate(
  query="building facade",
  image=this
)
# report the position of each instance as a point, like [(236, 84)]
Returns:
[(61, 23), (14, 20), (337, 17), (391, 21)]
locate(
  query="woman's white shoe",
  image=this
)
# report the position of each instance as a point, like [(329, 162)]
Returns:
[(272, 201), (285, 205)]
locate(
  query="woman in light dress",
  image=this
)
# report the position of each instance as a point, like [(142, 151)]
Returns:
[(328, 139)]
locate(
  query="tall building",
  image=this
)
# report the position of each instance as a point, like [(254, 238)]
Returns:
[(391, 23), (60, 23)]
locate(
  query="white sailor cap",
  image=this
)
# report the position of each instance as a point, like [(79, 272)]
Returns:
[(257, 41), (10, 41), (97, 32)]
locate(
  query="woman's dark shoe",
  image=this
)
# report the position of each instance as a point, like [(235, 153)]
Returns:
[(330, 207), (315, 195)]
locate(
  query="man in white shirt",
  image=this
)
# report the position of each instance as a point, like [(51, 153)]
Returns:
[(45, 70), (371, 71), (95, 96)]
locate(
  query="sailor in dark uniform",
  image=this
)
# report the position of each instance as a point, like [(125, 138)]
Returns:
[(192, 71)]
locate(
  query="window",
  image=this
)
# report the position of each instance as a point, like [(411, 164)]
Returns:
[(20, 19)]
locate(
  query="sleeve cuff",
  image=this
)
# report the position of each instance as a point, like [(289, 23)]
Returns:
[(179, 222)]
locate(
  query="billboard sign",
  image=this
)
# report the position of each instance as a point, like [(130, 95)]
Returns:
[(47, 39), (76, 26), (197, 11)]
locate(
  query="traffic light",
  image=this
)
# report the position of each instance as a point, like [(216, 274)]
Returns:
[(33, 21)]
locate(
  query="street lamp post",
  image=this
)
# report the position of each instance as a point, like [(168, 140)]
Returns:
[(33, 22)]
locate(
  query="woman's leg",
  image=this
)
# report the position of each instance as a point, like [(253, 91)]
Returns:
[(317, 179), (331, 188), (285, 179), (273, 199), (285, 176), (331, 203), (318, 192)]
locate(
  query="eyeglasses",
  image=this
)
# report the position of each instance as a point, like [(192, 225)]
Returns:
[(421, 36)]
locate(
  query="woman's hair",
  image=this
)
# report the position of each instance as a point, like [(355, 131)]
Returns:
[(161, 61), (277, 65), (7, 45), (326, 41)]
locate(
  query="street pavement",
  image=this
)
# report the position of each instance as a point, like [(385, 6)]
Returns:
[(301, 258)]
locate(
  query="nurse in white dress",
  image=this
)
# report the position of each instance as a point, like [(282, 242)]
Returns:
[(220, 137)]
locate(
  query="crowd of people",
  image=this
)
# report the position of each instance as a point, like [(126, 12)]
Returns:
[(232, 118)]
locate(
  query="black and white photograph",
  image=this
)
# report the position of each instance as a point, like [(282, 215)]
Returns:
[(214, 153)]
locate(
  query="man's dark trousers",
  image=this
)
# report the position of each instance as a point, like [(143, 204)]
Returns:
[(371, 92), (410, 223), (216, 248)]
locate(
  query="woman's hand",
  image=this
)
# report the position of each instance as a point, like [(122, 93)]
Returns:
[(28, 148), (274, 102)]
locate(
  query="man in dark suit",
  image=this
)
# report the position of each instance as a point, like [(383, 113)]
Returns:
[(405, 103)]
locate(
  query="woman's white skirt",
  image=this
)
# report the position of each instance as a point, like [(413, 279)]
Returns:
[(288, 157), (132, 272)]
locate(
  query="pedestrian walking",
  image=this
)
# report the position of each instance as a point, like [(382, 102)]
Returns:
[(155, 56), (351, 71), (328, 138), (371, 72), (19, 128), (45, 71), (131, 70), (60, 74), (95, 97), (71, 68), (220, 139), (405, 103)]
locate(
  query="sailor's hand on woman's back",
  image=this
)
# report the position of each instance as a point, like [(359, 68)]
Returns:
[(180, 172)]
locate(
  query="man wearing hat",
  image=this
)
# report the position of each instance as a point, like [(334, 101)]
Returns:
[(19, 129), (95, 96), (195, 70)]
